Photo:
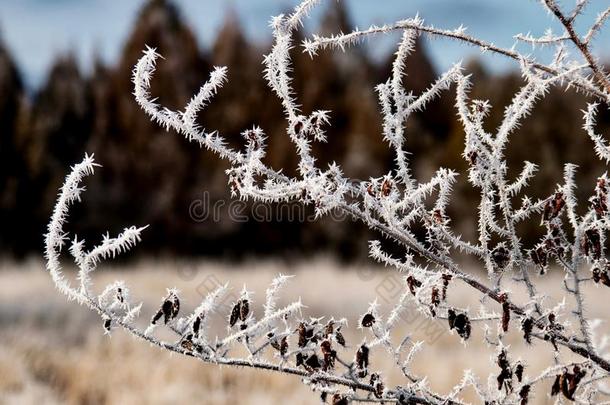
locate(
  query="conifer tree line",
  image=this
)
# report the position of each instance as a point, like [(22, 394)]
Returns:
[(44, 132)]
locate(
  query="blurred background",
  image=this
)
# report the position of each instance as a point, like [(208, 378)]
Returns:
[(65, 89)]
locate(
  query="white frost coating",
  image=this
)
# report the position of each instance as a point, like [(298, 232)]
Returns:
[(414, 214)]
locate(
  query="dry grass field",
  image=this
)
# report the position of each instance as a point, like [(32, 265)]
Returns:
[(52, 351)]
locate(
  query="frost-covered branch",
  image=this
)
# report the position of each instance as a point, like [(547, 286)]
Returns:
[(396, 204)]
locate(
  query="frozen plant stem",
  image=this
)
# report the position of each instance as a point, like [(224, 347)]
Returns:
[(283, 339)]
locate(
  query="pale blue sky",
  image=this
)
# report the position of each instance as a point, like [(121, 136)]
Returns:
[(36, 30)]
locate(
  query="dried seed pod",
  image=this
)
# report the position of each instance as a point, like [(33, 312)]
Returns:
[(240, 312), (599, 205), (297, 127), (553, 207), (188, 344), (386, 187), (539, 256), (567, 383), (505, 312), (312, 363), (370, 190), (107, 324), (377, 385), (500, 257), (605, 278), (506, 374), (339, 338), (556, 387), (329, 328), (367, 320), (244, 310), (519, 371), (234, 315), (197, 325), (281, 346), (284, 346), (527, 325), (472, 157), (119, 295), (325, 346), (306, 334), (460, 323), (446, 279), (552, 327), (462, 326), (438, 217), (234, 184), (339, 399), (301, 330), (558, 204), (591, 243), (169, 309), (601, 275), (451, 318), (524, 394), (362, 361), (329, 355), (413, 284)]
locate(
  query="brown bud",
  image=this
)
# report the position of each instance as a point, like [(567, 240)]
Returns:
[(367, 320), (329, 355), (234, 315), (339, 399), (591, 243), (506, 374), (240, 312), (527, 325), (362, 361), (244, 310), (460, 323), (370, 191), (540, 257), (386, 187), (107, 324), (312, 363), (500, 256), (339, 338), (472, 157), (329, 328), (197, 325), (413, 284), (524, 394), (377, 385), (519, 371), (446, 279), (505, 311), (169, 309)]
